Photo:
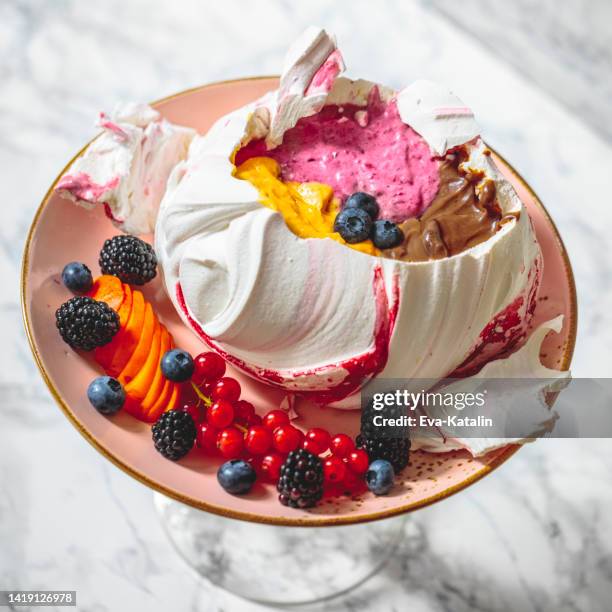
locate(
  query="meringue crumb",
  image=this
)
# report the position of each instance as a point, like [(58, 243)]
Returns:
[(362, 118)]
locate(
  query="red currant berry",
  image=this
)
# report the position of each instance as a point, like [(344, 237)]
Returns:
[(334, 470), (341, 445), (244, 410), (358, 461), (208, 366), (275, 418), (352, 482), (187, 393), (255, 462), (230, 443), (287, 438), (316, 440), (207, 438), (220, 414), (192, 410), (206, 388), (270, 467), (226, 388), (258, 440), (254, 419)]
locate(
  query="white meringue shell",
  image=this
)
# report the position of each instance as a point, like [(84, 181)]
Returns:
[(296, 312)]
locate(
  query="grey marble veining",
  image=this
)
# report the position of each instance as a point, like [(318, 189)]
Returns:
[(536, 535), (564, 47)]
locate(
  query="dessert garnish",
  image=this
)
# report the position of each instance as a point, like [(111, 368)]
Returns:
[(389, 443), (230, 442), (77, 277), (177, 365), (258, 440), (106, 394), (380, 477), (174, 434), (386, 234), (334, 470), (317, 441), (133, 356), (85, 323), (342, 445), (301, 480), (129, 258), (236, 476), (144, 376), (353, 224), (287, 438), (365, 201)]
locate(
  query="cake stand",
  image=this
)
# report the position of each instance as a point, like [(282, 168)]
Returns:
[(252, 545)]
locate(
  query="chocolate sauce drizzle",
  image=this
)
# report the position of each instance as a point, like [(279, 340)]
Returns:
[(464, 213)]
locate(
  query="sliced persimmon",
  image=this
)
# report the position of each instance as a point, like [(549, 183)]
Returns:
[(157, 384), (129, 340), (109, 289), (104, 354), (126, 306), (174, 397), (138, 387), (161, 402), (143, 348)]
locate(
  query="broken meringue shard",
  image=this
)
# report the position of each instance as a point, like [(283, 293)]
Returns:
[(126, 168), (254, 265)]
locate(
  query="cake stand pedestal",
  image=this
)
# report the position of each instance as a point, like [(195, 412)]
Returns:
[(277, 565)]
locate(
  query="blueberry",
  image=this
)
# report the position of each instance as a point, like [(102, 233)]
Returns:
[(380, 477), (365, 201), (177, 365), (386, 234), (106, 394), (77, 277), (353, 224), (236, 476)]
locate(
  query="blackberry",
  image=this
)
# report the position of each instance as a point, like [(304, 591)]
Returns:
[(174, 434), (370, 430), (393, 450), (128, 258), (391, 443), (301, 480), (85, 323)]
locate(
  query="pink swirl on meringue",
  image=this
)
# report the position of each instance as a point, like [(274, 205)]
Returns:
[(82, 186)]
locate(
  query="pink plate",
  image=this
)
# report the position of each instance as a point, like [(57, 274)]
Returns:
[(62, 232)]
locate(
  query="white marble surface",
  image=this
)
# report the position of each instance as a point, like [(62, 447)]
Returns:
[(564, 47), (536, 535)]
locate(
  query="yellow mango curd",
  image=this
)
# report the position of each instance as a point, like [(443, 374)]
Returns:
[(309, 209)]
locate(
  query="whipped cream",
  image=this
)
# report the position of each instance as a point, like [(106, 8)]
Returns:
[(311, 315), (126, 167), (523, 364)]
